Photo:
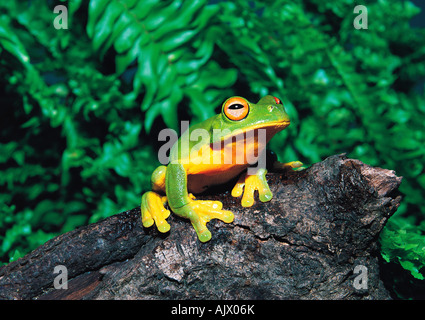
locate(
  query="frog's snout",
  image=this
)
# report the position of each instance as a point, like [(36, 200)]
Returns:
[(279, 113)]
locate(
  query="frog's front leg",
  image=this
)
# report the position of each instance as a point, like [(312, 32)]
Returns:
[(199, 212), (152, 207), (252, 182), (153, 210)]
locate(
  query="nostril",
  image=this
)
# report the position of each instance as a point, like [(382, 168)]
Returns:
[(270, 108)]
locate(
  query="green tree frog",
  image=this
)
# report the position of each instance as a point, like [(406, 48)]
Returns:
[(214, 152)]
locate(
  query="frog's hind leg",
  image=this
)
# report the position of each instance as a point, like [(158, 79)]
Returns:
[(153, 210), (199, 212), (158, 179)]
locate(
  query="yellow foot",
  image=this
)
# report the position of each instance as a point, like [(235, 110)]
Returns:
[(296, 165), (202, 211), (252, 183), (153, 210)]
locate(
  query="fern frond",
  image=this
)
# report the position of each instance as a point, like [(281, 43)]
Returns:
[(170, 41)]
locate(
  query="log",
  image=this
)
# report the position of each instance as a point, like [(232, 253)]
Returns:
[(316, 239)]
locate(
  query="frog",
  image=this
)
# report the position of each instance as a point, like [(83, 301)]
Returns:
[(195, 166)]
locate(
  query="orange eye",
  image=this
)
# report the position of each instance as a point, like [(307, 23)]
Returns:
[(277, 100), (236, 108)]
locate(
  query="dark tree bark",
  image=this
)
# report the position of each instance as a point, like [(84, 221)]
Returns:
[(314, 240)]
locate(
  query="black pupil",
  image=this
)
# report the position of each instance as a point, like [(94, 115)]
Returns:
[(236, 106)]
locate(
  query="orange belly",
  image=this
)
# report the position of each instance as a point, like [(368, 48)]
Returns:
[(197, 183), (213, 165)]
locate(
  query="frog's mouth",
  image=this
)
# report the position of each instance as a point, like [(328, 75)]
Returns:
[(271, 128), (250, 141)]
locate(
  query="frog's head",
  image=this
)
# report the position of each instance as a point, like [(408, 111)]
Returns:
[(239, 133), (268, 113)]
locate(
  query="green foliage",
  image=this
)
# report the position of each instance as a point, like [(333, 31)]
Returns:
[(171, 41), (82, 107), (404, 242)]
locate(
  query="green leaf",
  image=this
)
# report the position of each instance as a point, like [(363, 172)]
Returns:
[(146, 74), (11, 43), (16, 255), (408, 265), (176, 39), (96, 8), (106, 24)]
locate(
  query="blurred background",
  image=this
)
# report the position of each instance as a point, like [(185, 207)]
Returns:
[(84, 93)]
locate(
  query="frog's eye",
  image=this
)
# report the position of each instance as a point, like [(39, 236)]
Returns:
[(278, 101), (236, 108)]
